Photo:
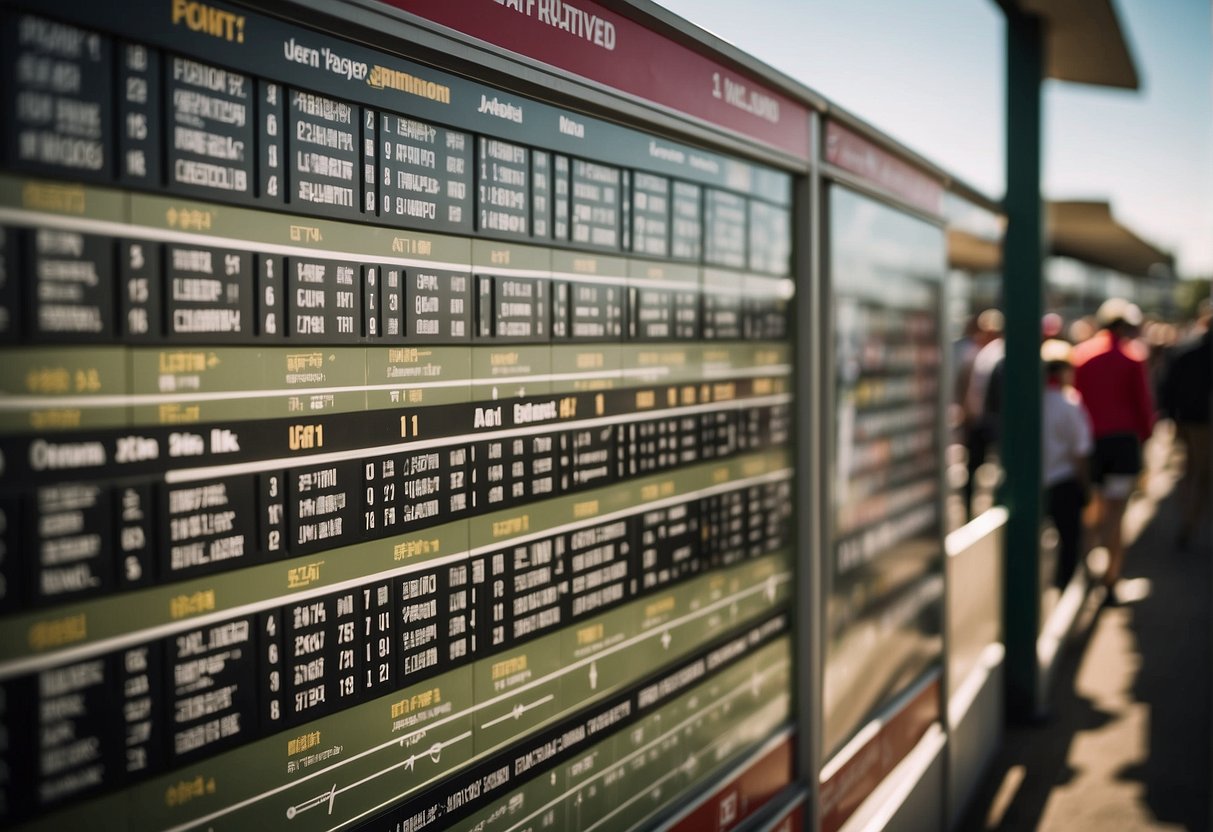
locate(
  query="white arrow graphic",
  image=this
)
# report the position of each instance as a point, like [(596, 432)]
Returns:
[(593, 675), (518, 710), (434, 753)]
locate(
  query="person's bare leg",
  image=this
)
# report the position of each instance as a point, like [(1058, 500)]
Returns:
[(1113, 519), (1092, 520)]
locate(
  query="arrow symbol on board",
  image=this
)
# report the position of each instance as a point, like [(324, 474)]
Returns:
[(666, 639), (324, 797), (770, 589), (593, 675)]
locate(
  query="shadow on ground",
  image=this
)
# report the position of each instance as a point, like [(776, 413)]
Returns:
[(1172, 628), (1143, 714)]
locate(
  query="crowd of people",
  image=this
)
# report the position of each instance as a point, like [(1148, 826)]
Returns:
[(1108, 379)]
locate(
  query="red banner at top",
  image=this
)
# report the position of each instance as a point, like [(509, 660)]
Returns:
[(583, 38), (855, 154)]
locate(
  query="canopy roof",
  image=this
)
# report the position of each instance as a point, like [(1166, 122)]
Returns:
[(1084, 42), (1087, 231), (1082, 229)]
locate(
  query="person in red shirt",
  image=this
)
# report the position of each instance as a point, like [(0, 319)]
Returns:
[(1110, 374)]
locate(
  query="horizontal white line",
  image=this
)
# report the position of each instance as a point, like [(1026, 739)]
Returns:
[(180, 475), (35, 664), (141, 232), (14, 216), (18, 403), (519, 710), (412, 757)]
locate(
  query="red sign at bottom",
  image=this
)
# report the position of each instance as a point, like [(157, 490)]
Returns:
[(743, 795), (859, 776)]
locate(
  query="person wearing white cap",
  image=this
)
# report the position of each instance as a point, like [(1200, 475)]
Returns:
[(1110, 373)]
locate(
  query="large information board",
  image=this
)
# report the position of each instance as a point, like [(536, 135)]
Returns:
[(381, 449), (885, 567)]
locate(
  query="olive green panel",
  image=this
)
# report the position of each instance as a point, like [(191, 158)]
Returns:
[(417, 376), (167, 213), (63, 388), (505, 372), (592, 265), (186, 385), (531, 673), (316, 380), (490, 254), (725, 359), (673, 272), (591, 367), (662, 363), (67, 199)]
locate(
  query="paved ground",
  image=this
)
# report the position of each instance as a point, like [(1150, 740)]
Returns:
[(1127, 746)]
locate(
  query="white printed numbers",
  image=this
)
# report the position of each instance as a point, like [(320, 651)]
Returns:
[(136, 126), (273, 660), (269, 325), (136, 58), (272, 161)]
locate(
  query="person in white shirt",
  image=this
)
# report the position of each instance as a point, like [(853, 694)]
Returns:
[(980, 398), (1065, 443)]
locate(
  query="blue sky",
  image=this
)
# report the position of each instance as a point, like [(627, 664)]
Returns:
[(931, 74)]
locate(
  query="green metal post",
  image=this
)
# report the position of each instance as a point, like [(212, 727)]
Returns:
[(1022, 297)]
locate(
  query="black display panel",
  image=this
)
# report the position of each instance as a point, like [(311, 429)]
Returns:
[(595, 205), (324, 153), (59, 96), (209, 121), (438, 305), (426, 174), (502, 180), (209, 296), (651, 207), (71, 294), (724, 231), (324, 300), (686, 225), (770, 238)]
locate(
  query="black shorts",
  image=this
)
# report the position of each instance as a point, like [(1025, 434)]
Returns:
[(1117, 453)]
